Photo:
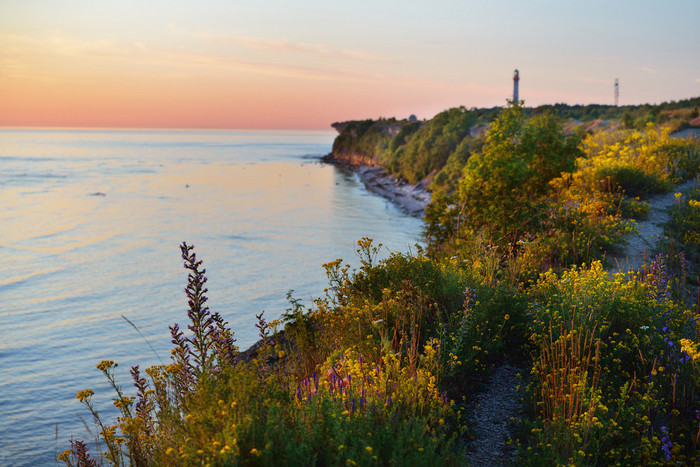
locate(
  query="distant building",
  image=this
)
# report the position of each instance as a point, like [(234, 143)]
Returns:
[(412, 118), (516, 78)]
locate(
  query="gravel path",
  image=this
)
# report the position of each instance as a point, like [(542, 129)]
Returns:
[(640, 246), (493, 410)]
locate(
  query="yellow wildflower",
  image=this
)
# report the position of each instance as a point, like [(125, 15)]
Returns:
[(105, 365), (85, 394), (65, 456), (690, 348)]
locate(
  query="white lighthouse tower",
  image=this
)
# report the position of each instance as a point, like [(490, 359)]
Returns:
[(516, 78)]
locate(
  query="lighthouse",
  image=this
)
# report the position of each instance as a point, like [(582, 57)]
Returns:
[(516, 78)]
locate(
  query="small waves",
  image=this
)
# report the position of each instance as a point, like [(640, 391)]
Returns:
[(67, 246), (25, 279)]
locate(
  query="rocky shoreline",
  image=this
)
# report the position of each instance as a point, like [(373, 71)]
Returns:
[(410, 198)]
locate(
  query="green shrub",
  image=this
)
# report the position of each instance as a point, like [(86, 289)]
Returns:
[(504, 186), (490, 329), (684, 225), (632, 181), (400, 301)]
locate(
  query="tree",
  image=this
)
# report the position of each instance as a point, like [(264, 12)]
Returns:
[(504, 190)]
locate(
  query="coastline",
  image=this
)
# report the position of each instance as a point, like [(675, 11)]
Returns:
[(410, 198)]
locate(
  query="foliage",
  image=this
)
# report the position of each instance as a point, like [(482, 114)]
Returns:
[(684, 229), (543, 202), (447, 179), (416, 150), (609, 370), (429, 149), (637, 162), (212, 406), (365, 138), (439, 148), (396, 305), (504, 187)]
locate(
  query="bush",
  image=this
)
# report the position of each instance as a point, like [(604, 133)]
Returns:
[(632, 181), (683, 235), (401, 301), (609, 369), (504, 186)]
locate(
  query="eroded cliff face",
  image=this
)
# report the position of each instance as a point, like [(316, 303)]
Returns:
[(361, 142), (352, 158)]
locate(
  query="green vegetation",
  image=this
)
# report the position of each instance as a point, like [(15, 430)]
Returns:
[(438, 149), (683, 234), (505, 189), (381, 370)]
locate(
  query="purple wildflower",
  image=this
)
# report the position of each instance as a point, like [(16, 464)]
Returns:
[(141, 384), (82, 454), (667, 444)]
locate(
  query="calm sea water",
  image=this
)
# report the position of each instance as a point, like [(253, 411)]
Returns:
[(90, 225)]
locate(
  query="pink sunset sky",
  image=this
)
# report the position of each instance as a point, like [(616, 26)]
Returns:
[(306, 64)]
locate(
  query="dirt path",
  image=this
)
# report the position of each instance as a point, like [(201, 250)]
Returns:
[(641, 245), (493, 410)]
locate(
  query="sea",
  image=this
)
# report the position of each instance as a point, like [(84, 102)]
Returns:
[(91, 221)]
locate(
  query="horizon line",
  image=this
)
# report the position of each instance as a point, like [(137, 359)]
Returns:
[(152, 128)]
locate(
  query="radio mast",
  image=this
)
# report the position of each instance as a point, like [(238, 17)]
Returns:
[(516, 78), (617, 91)]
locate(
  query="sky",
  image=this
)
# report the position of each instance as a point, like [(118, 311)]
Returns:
[(304, 64)]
